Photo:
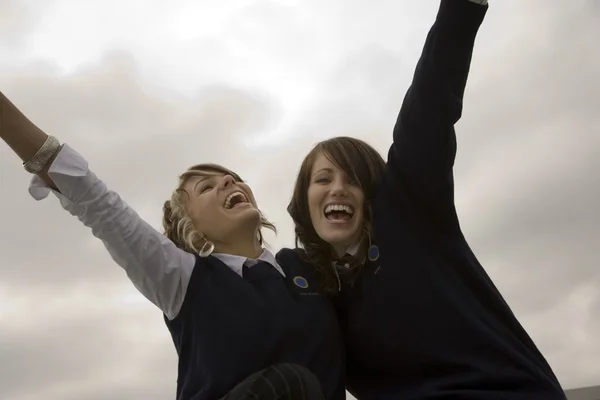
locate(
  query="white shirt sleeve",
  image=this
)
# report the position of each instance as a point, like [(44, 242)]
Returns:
[(158, 269)]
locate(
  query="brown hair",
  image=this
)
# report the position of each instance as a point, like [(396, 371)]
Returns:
[(364, 165), (178, 225)]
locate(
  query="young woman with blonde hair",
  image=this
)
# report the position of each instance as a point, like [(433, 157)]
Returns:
[(421, 317), (245, 323)]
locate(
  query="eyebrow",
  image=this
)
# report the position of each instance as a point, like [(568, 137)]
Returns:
[(323, 170), (203, 179)]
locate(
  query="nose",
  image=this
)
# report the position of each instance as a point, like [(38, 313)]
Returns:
[(226, 181), (338, 188)]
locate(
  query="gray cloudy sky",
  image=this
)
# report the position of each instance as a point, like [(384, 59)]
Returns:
[(146, 88)]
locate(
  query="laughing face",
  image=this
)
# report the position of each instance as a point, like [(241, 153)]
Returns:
[(221, 208), (336, 205)]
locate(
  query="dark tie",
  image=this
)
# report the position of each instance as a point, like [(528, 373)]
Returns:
[(345, 261)]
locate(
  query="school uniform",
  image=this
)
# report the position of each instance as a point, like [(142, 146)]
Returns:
[(424, 321), (229, 327), (242, 328)]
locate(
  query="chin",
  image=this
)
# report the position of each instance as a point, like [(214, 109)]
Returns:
[(244, 222), (248, 213), (337, 239)]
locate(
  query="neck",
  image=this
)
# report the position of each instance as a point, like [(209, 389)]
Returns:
[(340, 250), (244, 249)]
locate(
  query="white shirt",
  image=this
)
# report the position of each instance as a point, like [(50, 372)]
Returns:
[(236, 263), (158, 269)]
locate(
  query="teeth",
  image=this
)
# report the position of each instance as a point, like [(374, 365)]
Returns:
[(227, 203), (338, 207)]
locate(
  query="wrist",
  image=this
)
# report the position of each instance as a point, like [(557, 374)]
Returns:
[(43, 156)]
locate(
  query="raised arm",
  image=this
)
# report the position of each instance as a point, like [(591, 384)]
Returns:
[(158, 269), (421, 158)]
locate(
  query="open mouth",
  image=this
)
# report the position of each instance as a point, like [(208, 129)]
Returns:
[(338, 212), (235, 199)]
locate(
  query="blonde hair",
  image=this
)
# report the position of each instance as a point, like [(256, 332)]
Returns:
[(177, 223)]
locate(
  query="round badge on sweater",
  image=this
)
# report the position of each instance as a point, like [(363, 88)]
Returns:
[(373, 253), (300, 282)]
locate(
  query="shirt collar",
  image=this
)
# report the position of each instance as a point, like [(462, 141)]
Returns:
[(236, 263), (352, 250)]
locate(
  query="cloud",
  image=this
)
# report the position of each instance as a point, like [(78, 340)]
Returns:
[(136, 141), (14, 23), (73, 347)]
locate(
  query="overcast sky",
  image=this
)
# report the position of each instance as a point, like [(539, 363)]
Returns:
[(146, 88)]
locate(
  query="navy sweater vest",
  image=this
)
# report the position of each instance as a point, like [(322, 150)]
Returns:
[(425, 321), (230, 327)]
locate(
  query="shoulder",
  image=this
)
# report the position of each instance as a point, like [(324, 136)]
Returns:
[(204, 268), (294, 262), (208, 278), (287, 256), (288, 252), (203, 263)]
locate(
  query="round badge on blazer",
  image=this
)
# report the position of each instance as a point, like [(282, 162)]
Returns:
[(373, 253), (300, 282)]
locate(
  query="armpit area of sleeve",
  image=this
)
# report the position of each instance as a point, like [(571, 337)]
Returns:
[(68, 172)]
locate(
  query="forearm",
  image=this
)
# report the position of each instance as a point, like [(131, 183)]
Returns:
[(441, 75), (22, 135), (422, 154)]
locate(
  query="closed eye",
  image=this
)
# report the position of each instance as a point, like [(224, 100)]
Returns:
[(323, 180), (205, 188)]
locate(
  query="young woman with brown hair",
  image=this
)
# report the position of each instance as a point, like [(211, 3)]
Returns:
[(421, 317), (245, 323)]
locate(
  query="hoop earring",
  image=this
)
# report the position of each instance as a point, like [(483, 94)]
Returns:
[(207, 249)]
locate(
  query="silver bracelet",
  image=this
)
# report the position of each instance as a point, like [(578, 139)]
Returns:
[(37, 163)]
